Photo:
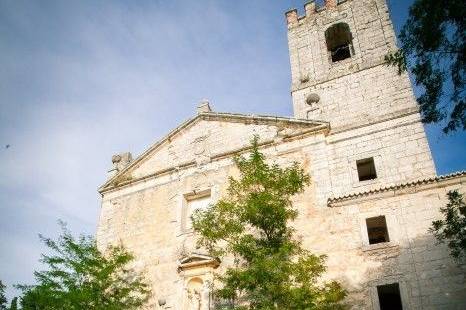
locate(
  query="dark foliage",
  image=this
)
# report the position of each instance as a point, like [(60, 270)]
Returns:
[(3, 300), (452, 228), (433, 47), (14, 304)]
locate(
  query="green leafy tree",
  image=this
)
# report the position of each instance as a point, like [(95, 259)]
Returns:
[(79, 276), (252, 224), (433, 46), (452, 228), (14, 304), (3, 300)]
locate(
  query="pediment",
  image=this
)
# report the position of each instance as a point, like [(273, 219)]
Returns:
[(196, 260), (208, 136), (195, 257)]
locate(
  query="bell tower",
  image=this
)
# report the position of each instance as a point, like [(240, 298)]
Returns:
[(337, 64)]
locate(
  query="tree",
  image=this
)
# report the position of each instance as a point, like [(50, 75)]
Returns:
[(452, 228), (433, 46), (252, 224), (3, 300), (79, 276), (14, 304)]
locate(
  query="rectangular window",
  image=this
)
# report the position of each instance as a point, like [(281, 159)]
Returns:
[(389, 297), (377, 230), (366, 169), (193, 203)]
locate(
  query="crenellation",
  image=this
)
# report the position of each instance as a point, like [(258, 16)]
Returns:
[(292, 17), (331, 3), (310, 8)]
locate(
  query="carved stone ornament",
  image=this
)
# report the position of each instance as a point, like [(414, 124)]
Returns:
[(197, 271), (200, 145), (197, 260), (312, 98), (116, 159)]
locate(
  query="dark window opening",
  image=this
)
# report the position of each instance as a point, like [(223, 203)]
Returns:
[(377, 230), (389, 297), (340, 52), (339, 42), (366, 169)]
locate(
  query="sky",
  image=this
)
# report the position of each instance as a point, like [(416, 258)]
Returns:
[(83, 80)]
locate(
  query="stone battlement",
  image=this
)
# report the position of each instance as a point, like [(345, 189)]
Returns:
[(337, 54), (310, 8)]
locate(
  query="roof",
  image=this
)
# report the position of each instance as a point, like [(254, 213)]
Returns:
[(398, 186), (314, 125)]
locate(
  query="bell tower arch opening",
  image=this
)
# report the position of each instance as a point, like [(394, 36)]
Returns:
[(337, 52), (339, 42)]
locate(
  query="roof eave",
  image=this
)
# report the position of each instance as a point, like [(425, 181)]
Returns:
[(336, 201)]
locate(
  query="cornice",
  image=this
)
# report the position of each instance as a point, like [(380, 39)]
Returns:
[(373, 193)]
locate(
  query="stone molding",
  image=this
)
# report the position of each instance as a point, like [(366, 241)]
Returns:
[(396, 189), (197, 260), (190, 164), (314, 127), (384, 118), (361, 67)]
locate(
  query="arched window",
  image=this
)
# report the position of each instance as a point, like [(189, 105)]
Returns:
[(339, 42)]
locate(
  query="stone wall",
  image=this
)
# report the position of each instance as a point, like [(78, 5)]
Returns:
[(367, 110), (148, 222), (360, 89), (399, 147), (428, 276), (146, 216), (345, 101), (209, 137)]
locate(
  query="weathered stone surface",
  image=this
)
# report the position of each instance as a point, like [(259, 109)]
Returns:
[(346, 87), (366, 111)]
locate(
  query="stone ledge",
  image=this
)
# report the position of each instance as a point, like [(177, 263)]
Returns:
[(338, 201), (384, 118), (379, 246)]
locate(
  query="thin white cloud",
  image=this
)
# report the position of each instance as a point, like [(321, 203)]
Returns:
[(80, 81)]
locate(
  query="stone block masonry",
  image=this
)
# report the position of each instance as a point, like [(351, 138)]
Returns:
[(349, 108)]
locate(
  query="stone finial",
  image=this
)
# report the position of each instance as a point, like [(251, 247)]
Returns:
[(331, 3), (292, 17), (204, 106), (116, 159), (310, 8), (312, 98), (120, 161)]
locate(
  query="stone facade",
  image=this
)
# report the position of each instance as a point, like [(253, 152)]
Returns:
[(346, 87), (347, 112)]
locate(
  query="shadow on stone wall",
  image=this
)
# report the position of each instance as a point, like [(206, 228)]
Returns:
[(429, 278)]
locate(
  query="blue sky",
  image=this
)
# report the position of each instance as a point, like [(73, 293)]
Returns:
[(82, 80)]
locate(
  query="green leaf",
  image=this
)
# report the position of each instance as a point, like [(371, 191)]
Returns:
[(79, 276), (252, 224), (451, 229), (433, 48)]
